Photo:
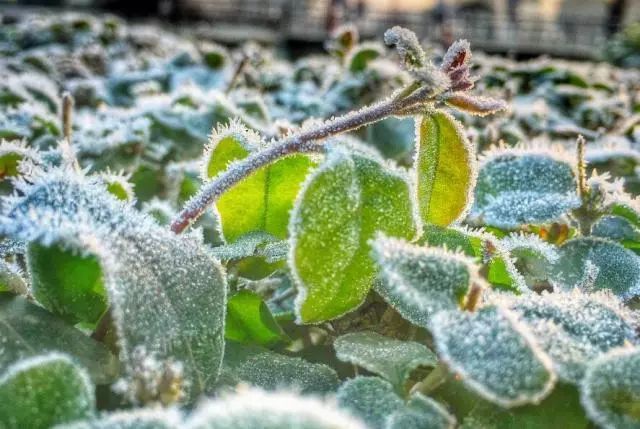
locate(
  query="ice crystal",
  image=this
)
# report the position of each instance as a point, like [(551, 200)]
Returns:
[(370, 398)]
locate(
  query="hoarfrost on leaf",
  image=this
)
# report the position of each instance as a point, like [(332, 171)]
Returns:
[(494, 354), (387, 357), (421, 412), (420, 281), (372, 399)]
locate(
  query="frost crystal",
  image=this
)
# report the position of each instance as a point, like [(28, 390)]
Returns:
[(495, 355), (370, 398), (421, 413)]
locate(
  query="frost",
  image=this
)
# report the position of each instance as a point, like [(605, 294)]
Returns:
[(370, 398), (618, 268), (494, 354), (406, 43), (420, 281), (615, 228), (145, 270), (515, 189), (611, 388), (45, 390), (269, 370), (533, 256), (392, 359), (255, 409), (141, 418), (574, 328), (475, 105), (421, 413)]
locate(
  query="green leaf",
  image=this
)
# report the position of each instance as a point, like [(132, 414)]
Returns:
[(146, 271), (372, 399), (494, 354), (255, 409), (574, 328), (393, 137), (269, 370), (43, 391), (141, 418), (389, 358), (28, 330), (534, 258), (420, 281), (616, 268), (516, 187), (249, 320), (11, 279), (421, 413), (610, 390), (360, 57), (262, 201), (343, 204), (445, 165), (617, 228), (67, 283)]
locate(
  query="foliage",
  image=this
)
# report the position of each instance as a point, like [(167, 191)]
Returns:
[(220, 238)]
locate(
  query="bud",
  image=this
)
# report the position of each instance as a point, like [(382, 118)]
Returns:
[(480, 106), (406, 43)]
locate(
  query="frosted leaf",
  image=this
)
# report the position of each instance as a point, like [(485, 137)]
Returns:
[(343, 204), (494, 354), (118, 185), (618, 268), (574, 328), (43, 391), (523, 189), (372, 399), (420, 281), (270, 370), (616, 228), (145, 270), (445, 169), (389, 358), (12, 278), (141, 418), (255, 409), (12, 155), (421, 412), (360, 57), (27, 330), (250, 244), (406, 43), (475, 105), (534, 257), (611, 389)]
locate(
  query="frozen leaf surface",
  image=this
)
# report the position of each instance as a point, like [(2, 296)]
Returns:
[(445, 166), (517, 189), (43, 391), (146, 270), (421, 412), (350, 197), (420, 281), (255, 409), (495, 355), (389, 358), (618, 269), (611, 390), (27, 330), (143, 418), (270, 370), (372, 399), (574, 328)]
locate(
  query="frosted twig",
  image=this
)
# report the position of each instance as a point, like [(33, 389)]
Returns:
[(67, 112), (303, 142)]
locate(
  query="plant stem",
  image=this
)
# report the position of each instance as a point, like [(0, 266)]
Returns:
[(302, 142), (432, 381), (582, 168), (473, 297), (67, 112)]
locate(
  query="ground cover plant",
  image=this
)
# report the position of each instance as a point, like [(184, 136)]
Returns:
[(385, 236)]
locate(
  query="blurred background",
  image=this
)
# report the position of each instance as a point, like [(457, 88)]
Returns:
[(576, 29)]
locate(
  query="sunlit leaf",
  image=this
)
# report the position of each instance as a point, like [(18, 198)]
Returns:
[(249, 320)]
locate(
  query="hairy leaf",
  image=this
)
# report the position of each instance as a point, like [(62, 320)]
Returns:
[(389, 358), (611, 390), (617, 268), (249, 320), (343, 204), (28, 330), (494, 354), (146, 270), (43, 391), (445, 165), (372, 399), (269, 370)]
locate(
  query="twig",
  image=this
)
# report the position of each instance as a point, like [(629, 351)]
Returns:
[(237, 72), (302, 142), (473, 297), (582, 168), (67, 115)]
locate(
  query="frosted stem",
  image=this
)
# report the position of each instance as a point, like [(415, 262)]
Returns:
[(302, 142), (67, 112)]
